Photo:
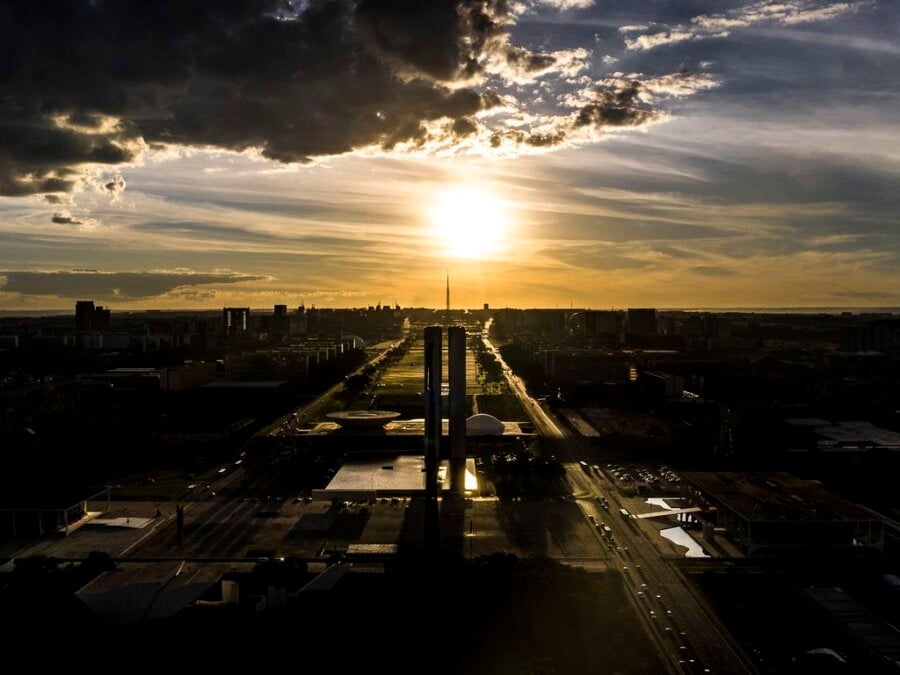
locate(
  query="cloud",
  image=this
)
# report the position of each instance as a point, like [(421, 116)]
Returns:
[(521, 66), (867, 295), (64, 217), (325, 78), (634, 28), (58, 199), (113, 285), (614, 103), (292, 82), (114, 186), (567, 4), (647, 89), (778, 12), (712, 271)]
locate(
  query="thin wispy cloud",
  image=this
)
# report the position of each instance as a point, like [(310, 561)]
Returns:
[(767, 12)]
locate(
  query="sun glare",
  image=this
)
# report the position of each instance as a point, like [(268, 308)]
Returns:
[(469, 222)]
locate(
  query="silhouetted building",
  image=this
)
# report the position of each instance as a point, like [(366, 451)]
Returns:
[(642, 322), (659, 385), (90, 319), (236, 321), (595, 366), (606, 322), (776, 510), (279, 324), (879, 336)]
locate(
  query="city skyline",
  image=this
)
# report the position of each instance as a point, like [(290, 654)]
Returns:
[(545, 153)]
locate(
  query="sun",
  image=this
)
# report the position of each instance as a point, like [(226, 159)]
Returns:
[(469, 222)]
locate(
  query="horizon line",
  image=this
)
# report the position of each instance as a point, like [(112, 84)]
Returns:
[(893, 309)]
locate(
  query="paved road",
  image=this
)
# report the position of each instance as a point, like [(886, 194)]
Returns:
[(686, 631), (314, 408), (217, 528)]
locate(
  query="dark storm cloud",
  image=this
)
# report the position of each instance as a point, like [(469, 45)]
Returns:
[(100, 82), (108, 285), (87, 84)]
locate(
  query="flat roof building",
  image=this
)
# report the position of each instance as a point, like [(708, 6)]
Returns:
[(780, 511), (365, 477)]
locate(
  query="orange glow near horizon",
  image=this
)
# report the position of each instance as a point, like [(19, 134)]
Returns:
[(469, 222)]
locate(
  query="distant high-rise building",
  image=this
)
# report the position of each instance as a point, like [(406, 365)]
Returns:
[(642, 322), (84, 315), (604, 322), (236, 320), (90, 319), (486, 307), (279, 324)]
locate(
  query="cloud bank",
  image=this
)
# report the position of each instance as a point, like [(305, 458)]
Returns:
[(112, 285), (87, 86)]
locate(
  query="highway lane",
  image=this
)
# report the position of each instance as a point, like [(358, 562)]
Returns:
[(685, 629), (216, 526), (544, 424)]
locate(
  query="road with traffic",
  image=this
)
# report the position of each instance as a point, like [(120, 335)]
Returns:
[(686, 630), (215, 526)]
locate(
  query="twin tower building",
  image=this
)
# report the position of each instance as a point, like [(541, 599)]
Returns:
[(456, 365)]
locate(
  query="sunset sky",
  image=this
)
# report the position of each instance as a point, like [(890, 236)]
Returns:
[(604, 153)]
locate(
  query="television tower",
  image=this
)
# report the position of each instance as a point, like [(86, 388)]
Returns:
[(447, 318)]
